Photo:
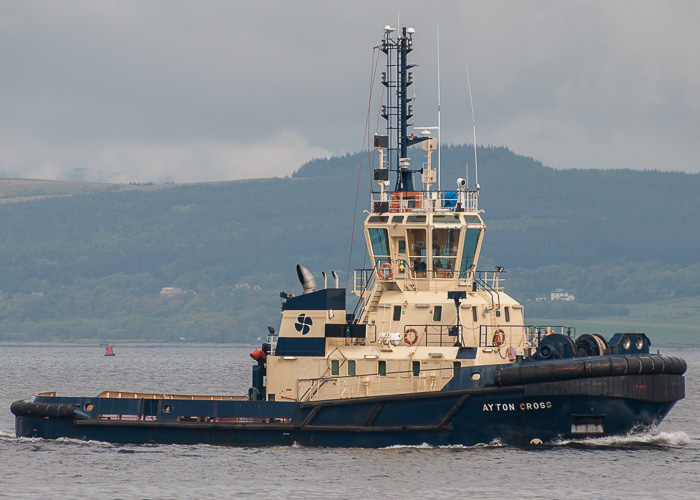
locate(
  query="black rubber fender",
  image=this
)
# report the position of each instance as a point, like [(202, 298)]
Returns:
[(31, 409), (600, 366)]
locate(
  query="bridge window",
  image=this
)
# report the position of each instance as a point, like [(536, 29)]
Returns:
[(471, 240), (335, 367), (416, 251), (437, 313), (378, 218), (447, 218), (380, 245), (351, 368), (415, 218), (445, 241)]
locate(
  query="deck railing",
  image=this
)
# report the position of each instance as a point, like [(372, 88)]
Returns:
[(496, 335), (431, 201), (433, 335)]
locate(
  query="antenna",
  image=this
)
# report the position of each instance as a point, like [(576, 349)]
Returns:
[(476, 162), (439, 170)]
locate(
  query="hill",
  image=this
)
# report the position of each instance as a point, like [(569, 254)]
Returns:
[(14, 190), (89, 260)]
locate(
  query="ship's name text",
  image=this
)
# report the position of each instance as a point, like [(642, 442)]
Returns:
[(512, 406)]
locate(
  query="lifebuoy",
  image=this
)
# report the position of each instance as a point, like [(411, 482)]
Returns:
[(548, 332), (415, 336), (383, 270), (499, 338)]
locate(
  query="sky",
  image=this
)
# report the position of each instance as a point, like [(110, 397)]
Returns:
[(196, 91)]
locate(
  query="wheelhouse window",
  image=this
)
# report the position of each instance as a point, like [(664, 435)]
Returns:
[(415, 218), (378, 218), (445, 241), (416, 251), (471, 240), (447, 218), (380, 245)]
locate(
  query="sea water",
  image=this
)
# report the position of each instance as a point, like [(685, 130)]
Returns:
[(658, 463)]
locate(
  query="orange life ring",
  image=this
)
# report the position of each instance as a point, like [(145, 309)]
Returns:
[(549, 332), (415, 336), (383, 273), (499, 338)]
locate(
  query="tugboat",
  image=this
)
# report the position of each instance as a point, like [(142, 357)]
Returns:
[(434, 352)]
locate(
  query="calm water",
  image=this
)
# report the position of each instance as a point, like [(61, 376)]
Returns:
[(661, 464)]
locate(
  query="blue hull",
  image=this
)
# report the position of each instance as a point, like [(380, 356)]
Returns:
[(516, 415)]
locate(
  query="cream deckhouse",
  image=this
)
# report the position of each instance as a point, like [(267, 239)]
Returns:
[(424, 311)]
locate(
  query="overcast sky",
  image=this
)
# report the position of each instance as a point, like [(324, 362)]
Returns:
[(191, 91)]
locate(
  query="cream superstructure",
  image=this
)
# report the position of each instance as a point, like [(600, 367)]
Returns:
[(424, 313)]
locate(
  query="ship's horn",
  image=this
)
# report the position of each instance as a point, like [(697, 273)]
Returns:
[(336, 278), (325, 279), (307, 279)]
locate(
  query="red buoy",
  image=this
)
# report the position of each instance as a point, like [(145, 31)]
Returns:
[(109, 351)]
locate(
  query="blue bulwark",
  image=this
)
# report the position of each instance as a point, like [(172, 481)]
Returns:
[(328, 298), (301, 347)]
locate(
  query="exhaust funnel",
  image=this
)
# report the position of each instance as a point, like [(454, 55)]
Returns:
[(307, 279)]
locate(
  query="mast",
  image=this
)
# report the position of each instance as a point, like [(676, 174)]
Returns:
[(398, 110)]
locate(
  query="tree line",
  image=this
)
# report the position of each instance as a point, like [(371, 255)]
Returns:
[(101, 258)]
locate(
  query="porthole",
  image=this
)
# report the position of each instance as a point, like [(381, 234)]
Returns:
[(640, 343), (476, 376), (168, 408), (626, 342), (88, 406)]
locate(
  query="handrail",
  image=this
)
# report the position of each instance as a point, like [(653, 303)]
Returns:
[(447, 335), (481, 278), (534, 333), (366, 283), (388, 377), (417, 201), (322, 377)]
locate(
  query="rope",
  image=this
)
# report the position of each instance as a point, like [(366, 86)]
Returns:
[(375, 63)]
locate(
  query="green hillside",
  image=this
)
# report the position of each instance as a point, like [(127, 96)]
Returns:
[(88, 261)]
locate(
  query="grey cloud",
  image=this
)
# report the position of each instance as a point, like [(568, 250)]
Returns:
[(122, 88)]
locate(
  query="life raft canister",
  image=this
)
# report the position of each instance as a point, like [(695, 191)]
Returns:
[(258, 355), (386, 270), (499, 338), (409, 340)]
